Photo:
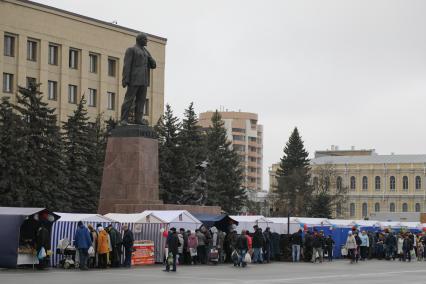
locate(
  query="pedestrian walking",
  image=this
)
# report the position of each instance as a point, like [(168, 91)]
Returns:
[(173, 245), (329, 244), (351, 246), (296, 244), (128, 242), (82, 242)]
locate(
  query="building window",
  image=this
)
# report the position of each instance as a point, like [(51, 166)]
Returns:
[(73, 59), (352, 209), (31, 82), (52, 92), (418, 183), (353, 183), (418, 208), (53, 54), (238, 137), (242, 130), (7, 83), (338, 209), (31, 50), (404, 207), (364, 183), (315, 182), (364, 209), (327, 182), (392, 183), (72, 94), (92, 97), (111, 100), (377, 207), (392, 207), (377, 183), (339, 183), (112, 67), (93, 63), (405, 183), (9, 45)]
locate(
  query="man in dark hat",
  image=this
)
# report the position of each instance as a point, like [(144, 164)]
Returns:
[(173, 245)]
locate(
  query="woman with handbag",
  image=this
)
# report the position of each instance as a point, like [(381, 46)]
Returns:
[(242, 247)]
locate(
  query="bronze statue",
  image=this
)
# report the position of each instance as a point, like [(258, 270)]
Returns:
[(136, 74)]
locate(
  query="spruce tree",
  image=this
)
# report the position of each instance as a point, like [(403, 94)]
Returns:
[(192, 145), (167, 129), (294, 190), (96, 158), (79, 156), (224, 174), (44, 168), (12, 157)]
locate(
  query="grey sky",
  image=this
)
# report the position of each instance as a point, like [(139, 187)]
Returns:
[(345, 72)]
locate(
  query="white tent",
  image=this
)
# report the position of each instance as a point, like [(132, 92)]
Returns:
[(280, 225), (247, 222), (411, 225), (340, 223), (66, 227), (392, 225), (132, 218), (367, 223), (173, 218), (312, 222)]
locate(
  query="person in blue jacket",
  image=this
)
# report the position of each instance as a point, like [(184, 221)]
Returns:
[(82, 242)]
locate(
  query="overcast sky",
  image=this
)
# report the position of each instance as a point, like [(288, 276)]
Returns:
[(347, 73)]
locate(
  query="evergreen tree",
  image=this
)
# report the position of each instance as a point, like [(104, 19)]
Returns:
[(96, 158), (12, 157), (224, 174), (79, 156), (294, 189), (192, 146), (44, 168), (167, 129)]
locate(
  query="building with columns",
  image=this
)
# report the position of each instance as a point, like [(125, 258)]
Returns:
[(374, 183), (246, 136), (72, 55)]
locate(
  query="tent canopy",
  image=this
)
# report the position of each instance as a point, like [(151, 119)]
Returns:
[(222, 222), (313, 221), (367, 223), (131, 218), (11, 219), (342, 223), (75, 217), (170, 216), (251, 219)]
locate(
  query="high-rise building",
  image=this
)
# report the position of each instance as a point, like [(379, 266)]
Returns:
[(374, 183), (72, 55), (246, 136)]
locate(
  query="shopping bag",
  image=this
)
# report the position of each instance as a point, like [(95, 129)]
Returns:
[(344, 251), (193, 251), (91, 252), (235, 256), (214, 255), (170, 259), (41, 254), (247, 258)]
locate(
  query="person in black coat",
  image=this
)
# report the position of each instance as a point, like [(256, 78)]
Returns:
[(128, 246), (173, 245), (329, 243)]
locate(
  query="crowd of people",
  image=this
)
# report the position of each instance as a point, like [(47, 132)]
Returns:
[(102, 247)]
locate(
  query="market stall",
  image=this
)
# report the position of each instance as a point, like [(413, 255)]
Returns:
[(247, 222), (66, 227), (280, 225), (173, 218), (22, 231), (147, 233), (339, 233), (222, 222)]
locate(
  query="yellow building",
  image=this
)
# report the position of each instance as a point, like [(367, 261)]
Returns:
[(72, 55), (375, 183), (246, 136)]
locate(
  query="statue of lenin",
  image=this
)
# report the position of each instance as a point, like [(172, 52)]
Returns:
[(136, 74)]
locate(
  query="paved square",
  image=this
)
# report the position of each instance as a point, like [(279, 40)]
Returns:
[(370, 272)]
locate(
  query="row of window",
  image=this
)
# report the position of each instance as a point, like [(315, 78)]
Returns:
[(378, 183), (392, 208), (52, 91), (53, 56)]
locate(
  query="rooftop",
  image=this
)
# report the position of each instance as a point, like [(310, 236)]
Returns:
[(374, 159)]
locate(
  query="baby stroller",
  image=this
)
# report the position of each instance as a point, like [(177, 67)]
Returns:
[(68, 252)]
